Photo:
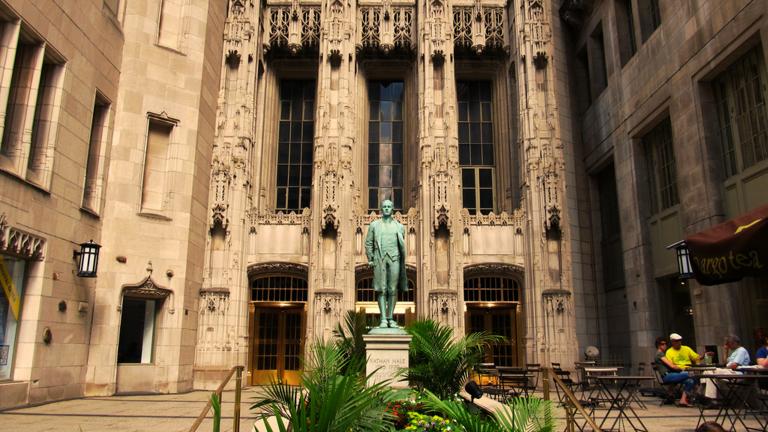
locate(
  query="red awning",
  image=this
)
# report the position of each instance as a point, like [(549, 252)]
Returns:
[(731, 250)]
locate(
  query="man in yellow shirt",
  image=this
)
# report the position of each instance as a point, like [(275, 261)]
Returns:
[(681, 355)]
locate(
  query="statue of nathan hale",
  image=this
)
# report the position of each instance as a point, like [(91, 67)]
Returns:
[(385, 248)]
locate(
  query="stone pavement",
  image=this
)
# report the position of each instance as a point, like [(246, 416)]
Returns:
[(177, 412)]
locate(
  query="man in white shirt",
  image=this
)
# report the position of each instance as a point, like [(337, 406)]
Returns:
[(738, 356)]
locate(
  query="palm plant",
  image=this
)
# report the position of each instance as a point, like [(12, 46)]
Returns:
[(350, 339), (520, 415), (439, 362), (329, 399)]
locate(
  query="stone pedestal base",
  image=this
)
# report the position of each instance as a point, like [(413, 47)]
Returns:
[(387, 355)]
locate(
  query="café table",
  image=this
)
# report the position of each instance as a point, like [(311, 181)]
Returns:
[(734, 393), (591, 390), (620, 390)]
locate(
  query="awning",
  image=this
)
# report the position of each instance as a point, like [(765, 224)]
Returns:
[(731, 250)]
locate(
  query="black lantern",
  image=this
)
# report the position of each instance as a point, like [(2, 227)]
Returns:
[(683, 259), (89, 259)]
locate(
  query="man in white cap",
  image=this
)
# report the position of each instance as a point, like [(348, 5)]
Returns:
[(681, 355)]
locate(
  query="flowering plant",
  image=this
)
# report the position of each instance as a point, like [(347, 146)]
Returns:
[(400, 410), (423, 423)]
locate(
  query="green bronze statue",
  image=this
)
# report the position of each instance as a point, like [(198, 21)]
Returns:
[(385, 248)]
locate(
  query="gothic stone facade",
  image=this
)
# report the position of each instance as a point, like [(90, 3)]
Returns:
[(404, 98), (228, 156)]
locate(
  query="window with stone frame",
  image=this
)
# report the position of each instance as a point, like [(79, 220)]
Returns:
[(740, 96), (476, 145), (95, 163), (155, 185), (625, 30), (650, 17), (30, 92), (170, 24), (662, 173), (610, 230), (294, 147), (385, 143)]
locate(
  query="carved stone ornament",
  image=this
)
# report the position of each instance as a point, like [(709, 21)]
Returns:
[(516, 219), (479, 29), (557, 301), (232, 59), (214, 300), (409, 219), (386, 29), (293, 28), (443, 307), (501, 269), (329, 303), (283, 268), (280, 218), (146, 289), (22, 244), (330, 221)]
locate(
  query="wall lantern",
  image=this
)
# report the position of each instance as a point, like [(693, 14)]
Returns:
[(683, 259), (89, 259)]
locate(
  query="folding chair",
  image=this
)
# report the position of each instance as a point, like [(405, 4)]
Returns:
[(673, 391), (534, 369)]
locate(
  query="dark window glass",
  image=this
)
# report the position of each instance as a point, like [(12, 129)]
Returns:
[(740, 99), (491, 289), (662, 176), (279, 288), (476, 145), (294, 147), (385, 143)]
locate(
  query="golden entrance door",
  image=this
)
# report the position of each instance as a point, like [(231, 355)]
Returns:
[(501, 320), (277, 342)]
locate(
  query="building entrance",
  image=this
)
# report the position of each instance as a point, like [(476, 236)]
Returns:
[(277, 317), (493, 306), (496, 320), (277, 343)]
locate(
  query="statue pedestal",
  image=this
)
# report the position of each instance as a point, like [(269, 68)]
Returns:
[(387, 355)]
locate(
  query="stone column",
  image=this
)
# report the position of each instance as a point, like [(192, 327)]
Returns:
[(440, 253), (332, 230), (222, 337), (548, 294)]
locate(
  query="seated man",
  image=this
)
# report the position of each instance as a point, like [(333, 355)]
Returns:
[(738, 356), (681, 355), (671, 373)]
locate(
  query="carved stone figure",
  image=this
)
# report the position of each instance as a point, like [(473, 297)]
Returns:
[(385, 249)]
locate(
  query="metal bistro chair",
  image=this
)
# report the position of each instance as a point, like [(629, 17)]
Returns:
[(672, 390), (565, 377), (534, 370), (514, 380)]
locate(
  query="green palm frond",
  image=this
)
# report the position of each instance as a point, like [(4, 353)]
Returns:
[(331, 397), (526, 415), (439, 362)]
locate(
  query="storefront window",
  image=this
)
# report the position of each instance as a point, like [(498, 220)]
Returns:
[(12, 281)]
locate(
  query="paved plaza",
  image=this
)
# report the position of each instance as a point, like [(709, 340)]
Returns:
[(177, 412)]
